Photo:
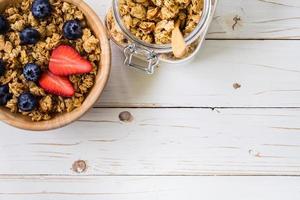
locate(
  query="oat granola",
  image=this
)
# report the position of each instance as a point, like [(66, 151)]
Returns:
[(153, 20), (16, 56)]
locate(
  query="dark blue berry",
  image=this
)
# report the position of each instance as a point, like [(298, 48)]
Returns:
[(41, 9), (72, 30), (4, 25), (5, 96), (27, 102), (32, 72), (4, 89), (2, 67), (29, 36)]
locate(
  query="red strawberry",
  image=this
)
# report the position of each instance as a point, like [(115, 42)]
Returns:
[(57, 85), (65, 61)]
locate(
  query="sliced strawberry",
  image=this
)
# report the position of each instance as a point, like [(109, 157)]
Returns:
[(57, 85), (65, 61)]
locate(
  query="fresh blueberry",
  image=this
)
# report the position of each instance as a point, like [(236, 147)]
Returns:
[(4, 26), (41, 9), (72, 30), (27, 102), (32, 72), (4, 89), (29, 36), (2, 67), (5, 96)]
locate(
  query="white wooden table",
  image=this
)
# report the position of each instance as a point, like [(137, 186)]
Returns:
[(195, 133)]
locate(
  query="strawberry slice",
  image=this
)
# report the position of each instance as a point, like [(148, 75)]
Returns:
[(65, 60), (57, 85)]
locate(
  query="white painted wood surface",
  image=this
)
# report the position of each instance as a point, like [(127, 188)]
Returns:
[(149, 188), (162, 142), (263, 19), (176, 142), (268, 72)]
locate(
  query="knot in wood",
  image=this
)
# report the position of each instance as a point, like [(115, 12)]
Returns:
[(236, 86), (125, 116), (79, 166)]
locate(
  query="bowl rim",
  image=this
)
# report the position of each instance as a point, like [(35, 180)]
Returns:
[(18, 121)]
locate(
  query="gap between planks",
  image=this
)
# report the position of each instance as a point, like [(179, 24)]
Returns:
[(187, 107), (29, 176), (255, 39)]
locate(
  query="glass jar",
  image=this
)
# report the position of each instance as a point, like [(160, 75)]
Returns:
[(146, 56)]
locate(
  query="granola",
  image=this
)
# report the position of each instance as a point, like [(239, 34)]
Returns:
[(114, 30), (16, 55), (153, 20)]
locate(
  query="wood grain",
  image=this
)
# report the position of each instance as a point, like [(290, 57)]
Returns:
[(246, 19), (266, 71), (149, 188), (161, 142)]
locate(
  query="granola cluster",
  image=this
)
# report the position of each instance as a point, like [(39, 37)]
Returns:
[(114, 30), (16, 55), (153, 20)]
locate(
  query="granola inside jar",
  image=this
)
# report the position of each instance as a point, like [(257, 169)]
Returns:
[(143, 29)]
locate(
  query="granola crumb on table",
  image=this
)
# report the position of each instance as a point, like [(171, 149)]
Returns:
[(16, 56)]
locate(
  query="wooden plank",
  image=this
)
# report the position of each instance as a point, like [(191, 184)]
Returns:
[(256, 19), (149, 188), (267, 71), (161, 142), (251, 19)]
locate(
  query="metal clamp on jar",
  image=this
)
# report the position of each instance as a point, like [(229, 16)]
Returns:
[(146, 56)]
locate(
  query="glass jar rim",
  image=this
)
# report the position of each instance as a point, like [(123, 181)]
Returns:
[(163, 48)]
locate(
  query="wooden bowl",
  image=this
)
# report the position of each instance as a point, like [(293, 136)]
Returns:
[(23, 122)]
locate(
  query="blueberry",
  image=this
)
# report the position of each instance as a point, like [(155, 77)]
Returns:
[(41, 9), (2, 67), (29, 36), (4, 26), (72, 30), (5, 96), (4, 89), (32, 72), (27, 102)]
